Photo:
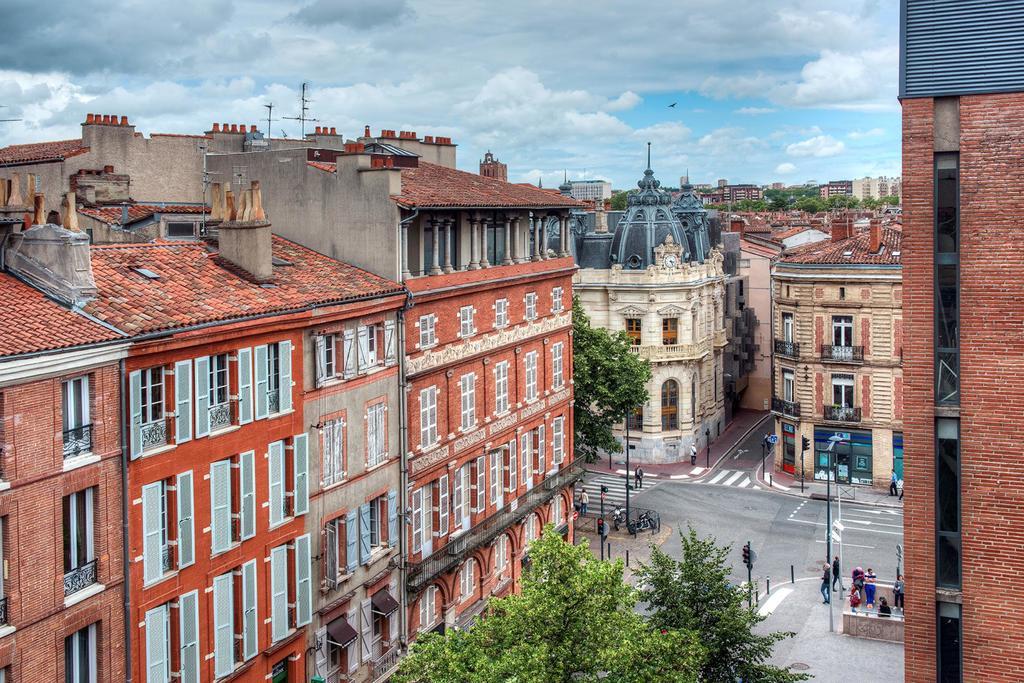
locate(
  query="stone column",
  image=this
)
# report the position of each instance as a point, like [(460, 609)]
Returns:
[(434, 249), (563, 235), (484, 263), (535, 230), (544, 237), (474, 261), (404, 241), (448, 244), (507, 261)]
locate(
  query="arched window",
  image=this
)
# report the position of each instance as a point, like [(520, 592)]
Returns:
[(670, 405), (467, 580), (501, 551), (557, 512), (428, 608), (531, 528)]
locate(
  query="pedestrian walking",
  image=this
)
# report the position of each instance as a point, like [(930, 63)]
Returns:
[(584, 502), (892, 484), (826, 579), (901, 487), (869, 587), (897, 591), (693, 454), (883, 608), (835, 573), (638, 478)]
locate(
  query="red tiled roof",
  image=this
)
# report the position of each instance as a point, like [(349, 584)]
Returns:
[(790, 232), (32, 322), (136, 212), (324, 166), (194, 287), (763, 250), (829, 252), (431, 185), (41, 151)]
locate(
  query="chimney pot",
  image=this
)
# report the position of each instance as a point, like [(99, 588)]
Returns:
[(366, 132), (90, 118), (224, 128), (108, 169), (334, 130), (105, 119), (241, 128), (39, 210), (124, 120), (876, 235), (389, 162), (429, 139), (234, 127), (216, 128)]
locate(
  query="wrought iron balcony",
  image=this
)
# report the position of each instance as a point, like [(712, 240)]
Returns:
[(790, 349), (166, 558), (842, 414), (3, 610), (79, 578), (842, 354), (153, 434), (77, 440), (790, 408), (274, 401), (444, 560), (220, 416), (385, 664)]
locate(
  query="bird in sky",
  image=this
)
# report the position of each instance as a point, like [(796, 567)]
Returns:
[(672, 105)]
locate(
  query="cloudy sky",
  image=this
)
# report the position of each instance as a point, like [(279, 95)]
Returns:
[(765, 90)]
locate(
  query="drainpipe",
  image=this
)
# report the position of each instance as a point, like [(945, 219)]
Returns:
[(124, 527), (403, 478)]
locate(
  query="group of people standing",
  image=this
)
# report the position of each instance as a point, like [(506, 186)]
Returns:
[(862, 589)]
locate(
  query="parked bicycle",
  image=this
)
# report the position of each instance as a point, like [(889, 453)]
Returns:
[(644, 522)]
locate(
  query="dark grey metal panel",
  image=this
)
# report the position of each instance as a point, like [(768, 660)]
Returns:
[(960, 47)]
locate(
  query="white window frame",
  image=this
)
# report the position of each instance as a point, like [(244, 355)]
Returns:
[(376, 434), (442, 505), (500, 313), (88, 521), (787, 327), (481, 484), (83, 638), (846, 383), (428, 608), (557, 365), (557, 440), (501, 387), (467, 396), (152, 378), (332, 455), (428, 417), (496, 476), (501, 563), (467, 580), (557, 300), (530, 364), (788, 385), (842, 330), (466, 326), (531, 306), (75, 402), (428, 330)]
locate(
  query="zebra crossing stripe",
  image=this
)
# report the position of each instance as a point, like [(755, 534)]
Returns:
[(718, 476), (745, 483), (730, 480)]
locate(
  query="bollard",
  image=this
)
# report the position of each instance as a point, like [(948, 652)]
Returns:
[(757, 596), (768, 587), (627, 558), (609, 551), (792, 576)]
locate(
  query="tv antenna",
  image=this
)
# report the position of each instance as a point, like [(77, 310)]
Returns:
[(270, 112), (203, 147), (302, 118), (4, 106)]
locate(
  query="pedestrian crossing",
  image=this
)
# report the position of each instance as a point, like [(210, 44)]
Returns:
[(734, 478), (616, 495)]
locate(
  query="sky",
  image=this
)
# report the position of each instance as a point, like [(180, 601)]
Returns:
[(764, 90)]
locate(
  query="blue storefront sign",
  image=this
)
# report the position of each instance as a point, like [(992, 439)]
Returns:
[(851, 456)]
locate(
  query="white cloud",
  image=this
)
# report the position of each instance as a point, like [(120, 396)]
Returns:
[(756, 111), (863, 80), (818, 146), (785, 168), (624, 102), (861, 134)]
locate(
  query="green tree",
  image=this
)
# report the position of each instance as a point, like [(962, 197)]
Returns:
[(870, 203), (619, 200), (810, 204), (842, 201), (778, 202), (608, 380), (694, 594), (891, 200), (574, 621)]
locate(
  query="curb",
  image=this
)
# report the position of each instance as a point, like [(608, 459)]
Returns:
[(819, 496)]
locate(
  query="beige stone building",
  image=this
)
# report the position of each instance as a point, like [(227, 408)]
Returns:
[(838, 344)]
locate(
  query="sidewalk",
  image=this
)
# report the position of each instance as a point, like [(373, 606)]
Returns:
[(742, 424), (858, 495), (622, 544)]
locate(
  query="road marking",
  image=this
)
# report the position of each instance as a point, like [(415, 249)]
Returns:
[(731, 479), (719, 476), (680, 476), (756, 487), (774, 601), (780, 486), (850, 545), (696, 470), (745, 483), (866, 531), (867, 523)]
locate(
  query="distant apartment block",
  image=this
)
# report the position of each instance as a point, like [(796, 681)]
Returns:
[(590, 190), (836, 188)]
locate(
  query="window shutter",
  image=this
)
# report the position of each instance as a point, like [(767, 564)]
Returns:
[(300, 453), (188, 636), (525, 456), (303, 581), (183, 401), (186, 520), (330, 554), (350, 542), (392, 518), (247, 486), (276, 483), (244, 385), (285, 349), (363, 339), (158, 656), (220, 506), (135, 408), (366, 630), (350, 353), (152, 531), (320, 344), (481, 484), (223, 625), (390, 356), (261, 382), (417, 520), (540, 450), (279, 593), (202, 396), (250, 613), (321, 652), (364, 533)]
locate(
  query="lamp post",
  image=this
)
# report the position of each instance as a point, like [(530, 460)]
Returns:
[(707, 441), (833, 440), (628, 411)]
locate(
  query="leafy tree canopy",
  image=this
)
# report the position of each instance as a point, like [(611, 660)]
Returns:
[(619, 201)]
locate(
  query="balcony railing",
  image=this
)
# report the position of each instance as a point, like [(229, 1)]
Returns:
[(385, 664), (790, 349), (79, 578), (77, 440), (842, 414), (443, 559), (672, 352), (842, 354), (3, 610), (220, 416), (791, 408), (166, 558), (274, 401), (153, 434)]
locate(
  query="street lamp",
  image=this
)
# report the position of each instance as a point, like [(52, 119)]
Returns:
[(707, 440), (628, 412), (833, 440)]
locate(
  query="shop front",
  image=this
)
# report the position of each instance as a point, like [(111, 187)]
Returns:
[(851, 456), (788, 448), (897, 454)]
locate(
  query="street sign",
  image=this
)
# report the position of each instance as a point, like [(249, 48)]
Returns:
[(773, 439), (836, 537), (899, 552), (838, 526)]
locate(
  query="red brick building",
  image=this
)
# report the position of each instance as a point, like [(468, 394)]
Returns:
[(963, 162)]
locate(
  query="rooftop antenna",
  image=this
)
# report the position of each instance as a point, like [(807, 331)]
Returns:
[(4, 106), (270, 111), (648, 156), (204, 147), (303, 110)]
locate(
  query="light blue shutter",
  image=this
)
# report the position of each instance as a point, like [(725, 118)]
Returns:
[(188, 630), (244, 385), (135, 410), (152, 531), (320, 358), (392, 518), (390, 355), (349, 349), (158, 645), (247, 491), (186, 520), (250, 621), (183, 401), (285, 349), (279, 593), (351, 534), (261, 382), (202, 396), (303, 581), (220, 506), (363, 344), (276, 471), (223, 625), (364, 533), (300, 453)]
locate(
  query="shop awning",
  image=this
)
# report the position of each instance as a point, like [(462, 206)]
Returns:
[(383, 604), (341, 632)]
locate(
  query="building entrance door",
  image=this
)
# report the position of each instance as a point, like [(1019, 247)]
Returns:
[(279, 674)]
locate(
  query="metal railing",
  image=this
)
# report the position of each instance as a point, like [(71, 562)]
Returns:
[(670, 352), (166, 558), (443, 559), (384, 664), (153, 434), (842, 413), (220, 416), (77, 440), (274, 401), (79, 578), (842, 354), (790, 349), (791, 408)]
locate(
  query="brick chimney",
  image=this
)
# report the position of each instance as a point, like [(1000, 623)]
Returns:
[(876, 236), (245, 239), (842, 227), (737, 224)]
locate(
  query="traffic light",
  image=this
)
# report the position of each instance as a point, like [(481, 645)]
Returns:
[(746, 556), (601, 529), (604, 489), (805, 443)]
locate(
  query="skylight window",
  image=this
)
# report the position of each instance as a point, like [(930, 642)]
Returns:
[(847, 254), (147, 273)]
